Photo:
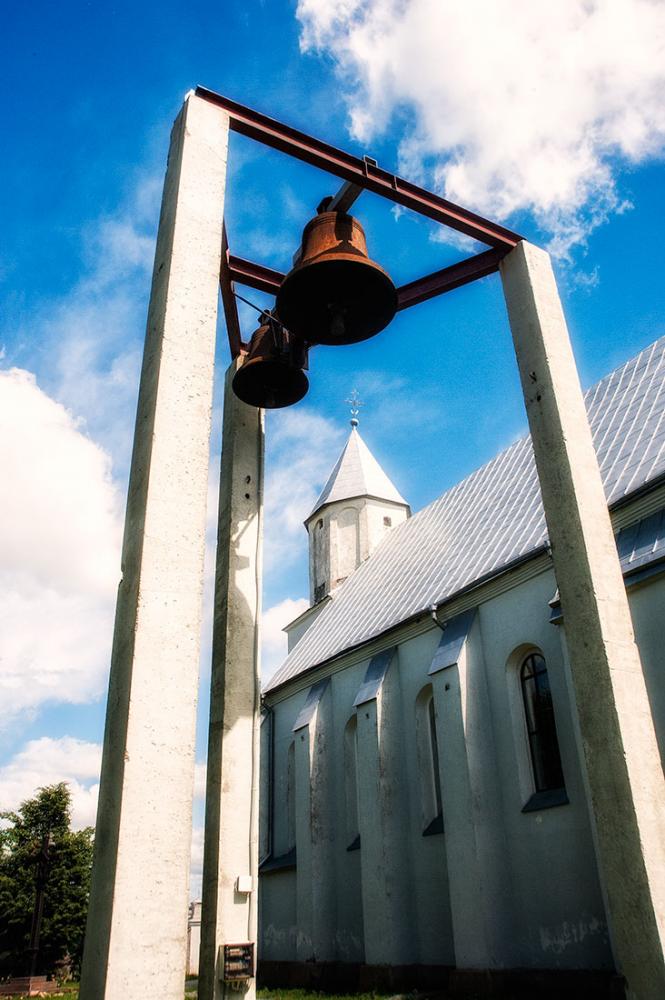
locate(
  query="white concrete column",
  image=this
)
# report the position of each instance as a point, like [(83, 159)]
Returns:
[(474, 836), (315, 828), (623, 767), (136, 940), (387, 891), (229, 913)]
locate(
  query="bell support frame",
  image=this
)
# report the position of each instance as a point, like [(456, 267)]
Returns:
[(358, 174)]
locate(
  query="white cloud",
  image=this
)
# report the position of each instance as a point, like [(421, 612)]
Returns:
[(60, 529), (86, 344), (200, 780), (47, 761), (505, 106), (273, 638), (196, 869)]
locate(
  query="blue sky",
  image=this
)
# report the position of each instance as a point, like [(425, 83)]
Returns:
[(551, 121)]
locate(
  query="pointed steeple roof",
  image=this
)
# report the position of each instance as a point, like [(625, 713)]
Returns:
[(357, 474)]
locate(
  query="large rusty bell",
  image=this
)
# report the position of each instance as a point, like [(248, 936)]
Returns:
[(272, 375), (335, 294)]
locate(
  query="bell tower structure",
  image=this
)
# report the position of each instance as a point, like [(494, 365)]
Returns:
[(357, 507)]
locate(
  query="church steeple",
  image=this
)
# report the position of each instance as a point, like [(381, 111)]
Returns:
[(356, 508)]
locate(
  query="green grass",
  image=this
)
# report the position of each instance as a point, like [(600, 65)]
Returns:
[(280, 994), (71, 991)]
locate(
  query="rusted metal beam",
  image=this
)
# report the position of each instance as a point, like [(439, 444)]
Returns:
[(448, 278), (264, 279), (236, 344), (365, 174), (345, 197)]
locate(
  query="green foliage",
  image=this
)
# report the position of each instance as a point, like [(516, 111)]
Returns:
[(67, 883)]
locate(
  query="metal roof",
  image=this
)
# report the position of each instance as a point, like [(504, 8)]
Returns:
[(490, 519), (357, 474)]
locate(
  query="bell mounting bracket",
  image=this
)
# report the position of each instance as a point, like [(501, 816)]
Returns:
[(358, 174)]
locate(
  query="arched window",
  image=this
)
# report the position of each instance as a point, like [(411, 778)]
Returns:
[(428, 763), (291, 797), (540, 725), (351, 783), (434, 751)]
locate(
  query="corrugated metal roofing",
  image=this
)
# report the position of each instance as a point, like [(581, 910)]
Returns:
[(357, 474), (489, 520)]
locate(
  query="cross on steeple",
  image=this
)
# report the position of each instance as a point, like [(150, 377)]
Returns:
[(355, 402)]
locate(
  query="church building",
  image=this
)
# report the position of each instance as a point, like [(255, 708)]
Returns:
[(424, 814)]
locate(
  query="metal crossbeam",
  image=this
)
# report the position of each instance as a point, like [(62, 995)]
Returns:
[(448, 278), (229, 303), (264, 279), (365, 174)]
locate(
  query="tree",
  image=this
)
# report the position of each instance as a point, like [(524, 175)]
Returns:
[(67, 884)]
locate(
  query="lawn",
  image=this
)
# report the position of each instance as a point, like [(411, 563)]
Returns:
[(71, 992)]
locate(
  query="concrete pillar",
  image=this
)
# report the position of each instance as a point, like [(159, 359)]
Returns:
[(315, 828), (474, 836), (229, 910), (623, 768), (136, 940), (387, 890)]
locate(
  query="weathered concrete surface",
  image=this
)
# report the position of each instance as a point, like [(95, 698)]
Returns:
[(136, 941), (625, 779), (232, 806)]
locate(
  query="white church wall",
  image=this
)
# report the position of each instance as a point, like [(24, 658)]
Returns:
[(475, 838), (377, 519), (558, 917), (429, 872), (278, 918), (548, 912), (297, 628), (385, 854), (349, 930), (647, 607), (344, 534)]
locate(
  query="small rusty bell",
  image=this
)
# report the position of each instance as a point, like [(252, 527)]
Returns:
[(272, 375), (335, 294)]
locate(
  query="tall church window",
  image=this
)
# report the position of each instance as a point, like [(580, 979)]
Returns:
[(540, 725), (428, 763), (351, 783), (291, 797)]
